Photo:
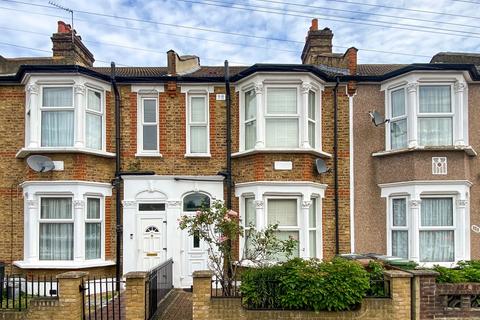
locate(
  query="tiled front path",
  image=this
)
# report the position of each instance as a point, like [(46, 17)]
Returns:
[(177, 306)]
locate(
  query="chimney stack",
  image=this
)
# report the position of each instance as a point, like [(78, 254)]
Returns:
[(68, 51), (316, 42), (180, 65)]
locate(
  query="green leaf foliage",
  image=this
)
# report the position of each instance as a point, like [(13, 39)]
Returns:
[(306, 285), (467, 271)]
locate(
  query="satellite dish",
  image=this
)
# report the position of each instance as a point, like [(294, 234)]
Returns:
[(40, 163), (377, 118), (321, 166)]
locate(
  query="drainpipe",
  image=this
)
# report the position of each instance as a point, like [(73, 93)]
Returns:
[(228, 176), (335, 162), (118, 178)]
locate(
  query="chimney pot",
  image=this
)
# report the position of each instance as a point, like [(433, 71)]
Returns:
[(314, 25), (63, 27)]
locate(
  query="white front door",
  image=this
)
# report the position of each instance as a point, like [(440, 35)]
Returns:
[(196, 255), (151, 243)]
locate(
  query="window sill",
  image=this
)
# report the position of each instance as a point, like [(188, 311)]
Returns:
[(148, 155), (318, 153), (63, 264), (24, 152), (198, 155), (467, 149)]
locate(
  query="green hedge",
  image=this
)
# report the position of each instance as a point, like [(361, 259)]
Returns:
[(467, 271), (306, 285)]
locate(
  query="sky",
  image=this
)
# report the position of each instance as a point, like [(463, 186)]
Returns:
[(245, 32)]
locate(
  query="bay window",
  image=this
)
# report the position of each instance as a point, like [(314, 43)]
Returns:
[(93, 120), (284, 213), (57, 114), (426, 112), (399, 228), (313, 228), (281, 118), (64, 224), (280, 114)]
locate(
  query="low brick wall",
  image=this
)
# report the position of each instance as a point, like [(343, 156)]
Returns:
[(397, 307), (450, 301)]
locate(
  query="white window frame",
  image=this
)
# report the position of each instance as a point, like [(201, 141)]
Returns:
[(313, 120), (392, 228), (100, 113), (62, 108), (412, 83), (294, 116), (414, 192), (34, 107), (49, 221), (398, 118), (245, 121), (316, 202), (141, 123), (100, 220), (79, 192), (190, 124)]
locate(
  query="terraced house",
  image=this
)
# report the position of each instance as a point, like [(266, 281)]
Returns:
[(387, 188)]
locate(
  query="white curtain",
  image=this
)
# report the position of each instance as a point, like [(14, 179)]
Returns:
[(281, 100), (400, 243), (57, 97), (311, 133), (435, 131), (250, 212), (94, 101), (437, 212), (57, 128), (93, 240), (93, 131), (311, 105), (198, 139), (398, 103), (150, 137), (437, 245), (435, 99), (93, 208), (312, 224), (198, 110), (250, 134), (56, 239), (282, 212), (149, 111), (312, 214), (399, 212), (250, 113), (282, 132), (398, 134), (250, 105)]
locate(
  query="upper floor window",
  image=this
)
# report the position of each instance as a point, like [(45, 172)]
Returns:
[(427, 114), (148, 133), (67, 113), (198, 142), (280, 116), (57, 117)]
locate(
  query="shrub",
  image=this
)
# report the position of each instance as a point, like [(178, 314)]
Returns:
[(306, 285), (467, 271), (375, 272), (447, 275)]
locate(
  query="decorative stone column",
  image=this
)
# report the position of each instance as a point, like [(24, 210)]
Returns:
[(304, 143), (33, 105), (79, 226), (31, 231), (260, 143), (412, 89), (459, 114), (79, 104), (462, 241), (414, 243), (136, 295), (259, 214), (304, 225)]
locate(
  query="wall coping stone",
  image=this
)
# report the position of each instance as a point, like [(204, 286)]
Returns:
[(202, 274), (423, 273), (72, 275), (397, 274), (136, 275)]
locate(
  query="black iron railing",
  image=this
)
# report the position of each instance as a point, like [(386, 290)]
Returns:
[(101, 300), (16, 291), (160, 282), (225, 288)]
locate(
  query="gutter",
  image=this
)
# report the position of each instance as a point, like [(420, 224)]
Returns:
[(335, 163)]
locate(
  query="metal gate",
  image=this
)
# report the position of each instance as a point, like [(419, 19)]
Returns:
[(102, 299)]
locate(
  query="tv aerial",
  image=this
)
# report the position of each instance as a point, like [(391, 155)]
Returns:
[(377, 118), (40, 163), (321, 166)]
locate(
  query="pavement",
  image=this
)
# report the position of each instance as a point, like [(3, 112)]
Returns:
[(176, 306)]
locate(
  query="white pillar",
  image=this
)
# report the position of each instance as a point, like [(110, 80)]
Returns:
[(304, 143), (260, 143), (174, 245), (304, 229), (458, 127), (34, 109), (414, 242), (259, 214), (130, 237), (412, 89), (79, 116), (462, 231), (31, 239), (79, 230)]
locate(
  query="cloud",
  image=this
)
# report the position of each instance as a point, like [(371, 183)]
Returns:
[(138, 43)]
